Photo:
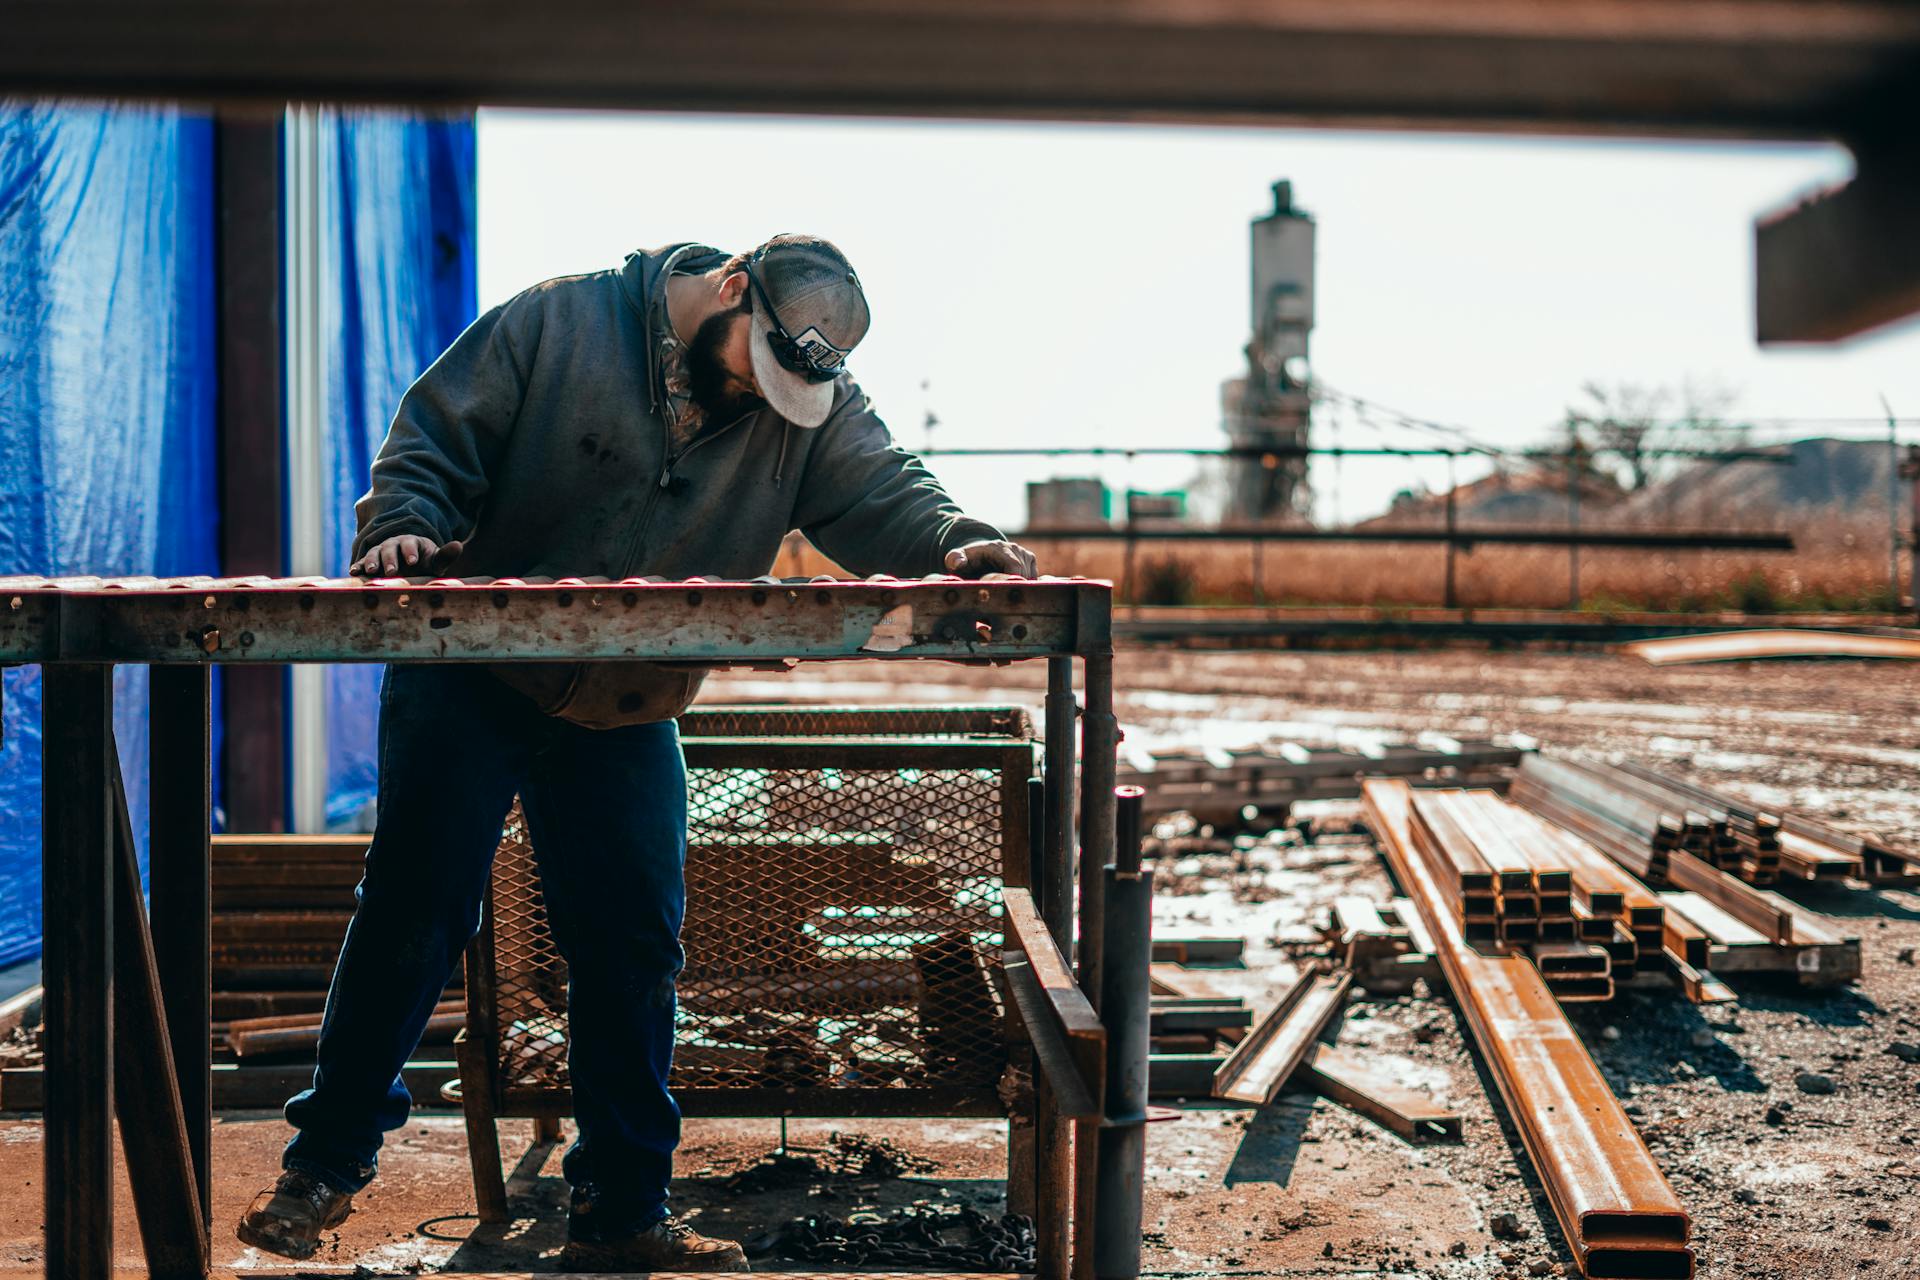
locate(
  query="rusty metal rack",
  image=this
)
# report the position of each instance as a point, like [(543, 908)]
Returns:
[(843, 930), (127, 1005)]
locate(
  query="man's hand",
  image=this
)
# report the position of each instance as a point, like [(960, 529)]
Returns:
[(977, 559), (392, 558)]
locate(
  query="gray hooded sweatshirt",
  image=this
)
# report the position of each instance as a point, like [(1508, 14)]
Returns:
[(538, 441)]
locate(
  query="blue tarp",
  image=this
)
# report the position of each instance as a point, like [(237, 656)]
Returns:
[(107, 377), (398, 221)]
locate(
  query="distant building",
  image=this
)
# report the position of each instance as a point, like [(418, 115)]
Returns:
[(1169, 507), (1269, 407), (1068, 503)]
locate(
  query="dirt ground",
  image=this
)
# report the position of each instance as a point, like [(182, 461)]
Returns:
[(1780, 1183)]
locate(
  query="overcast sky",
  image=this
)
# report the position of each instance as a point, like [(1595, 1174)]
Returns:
[(1088, 285)]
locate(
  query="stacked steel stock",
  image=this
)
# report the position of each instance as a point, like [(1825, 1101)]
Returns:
[(1707, 860)]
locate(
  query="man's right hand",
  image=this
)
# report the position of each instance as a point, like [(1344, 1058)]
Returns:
[(398, 556)]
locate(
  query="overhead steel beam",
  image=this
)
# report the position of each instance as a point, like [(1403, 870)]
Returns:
[(1846, 260), (1735, 67)]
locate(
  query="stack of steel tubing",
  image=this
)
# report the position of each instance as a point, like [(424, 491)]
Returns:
[(1605, 895), (1533, 894), (1491, 821), (1640, 835), (1803, 848), (1471, 888), (1794, 939), (1619, 1215), (1744, 841)]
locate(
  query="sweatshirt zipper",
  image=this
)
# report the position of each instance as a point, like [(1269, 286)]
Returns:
[(666, 479)]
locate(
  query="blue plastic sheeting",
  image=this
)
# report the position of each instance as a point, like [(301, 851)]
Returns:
[(398, 221), (107, 374)]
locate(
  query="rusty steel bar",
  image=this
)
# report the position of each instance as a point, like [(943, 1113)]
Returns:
[(1264, 1060), (1068, 1037), (1615, 1207), (1740, 646), (1053, 1190), (270, 620), (1338, 1074), (1823, 851)]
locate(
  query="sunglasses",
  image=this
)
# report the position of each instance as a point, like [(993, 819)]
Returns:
[(814, 359)]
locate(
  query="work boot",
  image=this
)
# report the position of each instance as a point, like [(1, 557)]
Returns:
[(288, 1217), (601, 1238)]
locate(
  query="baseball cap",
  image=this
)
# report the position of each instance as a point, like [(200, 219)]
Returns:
[(809, 312)]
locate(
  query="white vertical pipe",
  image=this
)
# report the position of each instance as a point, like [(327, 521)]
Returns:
[(307, 262)]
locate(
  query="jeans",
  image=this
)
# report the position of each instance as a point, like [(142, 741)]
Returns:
[(607, 812)]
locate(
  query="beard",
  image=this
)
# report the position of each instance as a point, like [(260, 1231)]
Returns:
[(720, 398)]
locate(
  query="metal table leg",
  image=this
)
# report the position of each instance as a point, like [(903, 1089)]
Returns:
[(1053, 888), (1125, 1009), (77, 878), (179, 852), (1099, 741)]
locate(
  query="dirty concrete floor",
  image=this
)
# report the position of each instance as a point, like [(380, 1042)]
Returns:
[(1824, 1189)]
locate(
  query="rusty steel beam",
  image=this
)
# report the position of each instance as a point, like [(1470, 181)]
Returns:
[(1069, 1043), (1745, 646), (1340, 1075), (1618, 1213), (1845, 260), (1737, 67), (267, 620), (1264, 1060)]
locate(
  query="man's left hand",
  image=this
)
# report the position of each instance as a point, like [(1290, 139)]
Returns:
[(978, 559)]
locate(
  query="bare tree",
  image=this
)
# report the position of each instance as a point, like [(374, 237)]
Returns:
[(1627, 426)]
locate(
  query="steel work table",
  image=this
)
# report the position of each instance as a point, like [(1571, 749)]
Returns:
[(107, 970)]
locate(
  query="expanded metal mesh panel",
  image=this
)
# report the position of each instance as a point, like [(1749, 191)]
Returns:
[(843, 920)]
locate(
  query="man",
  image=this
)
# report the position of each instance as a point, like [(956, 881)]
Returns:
[(676, 417)]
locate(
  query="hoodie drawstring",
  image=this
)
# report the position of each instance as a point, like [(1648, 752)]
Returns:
[(780, 466)]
